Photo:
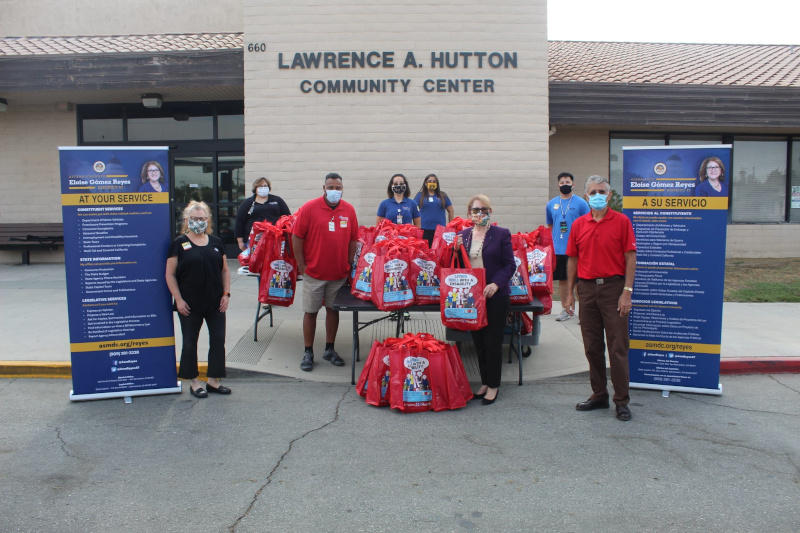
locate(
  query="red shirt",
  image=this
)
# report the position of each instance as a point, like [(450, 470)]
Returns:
[(326, 233), (601, 246)]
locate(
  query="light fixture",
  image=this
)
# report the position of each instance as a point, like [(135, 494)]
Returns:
[(151, 100), (3, 105)]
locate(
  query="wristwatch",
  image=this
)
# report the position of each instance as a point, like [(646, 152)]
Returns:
[(629, 289), (227, 294)]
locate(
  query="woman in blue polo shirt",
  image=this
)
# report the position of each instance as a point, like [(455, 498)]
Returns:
[(433, 205), (398, 207)]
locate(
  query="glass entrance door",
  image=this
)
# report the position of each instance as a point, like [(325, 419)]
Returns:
[(216, 179)]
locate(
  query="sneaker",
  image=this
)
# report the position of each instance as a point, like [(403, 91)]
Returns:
[(307, 362), (333, 357), (563, 316)]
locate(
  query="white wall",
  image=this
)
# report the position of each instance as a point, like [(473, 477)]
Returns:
[(37, 18), (492, 143)]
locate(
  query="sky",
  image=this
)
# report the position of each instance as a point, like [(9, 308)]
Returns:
[(675, 21)]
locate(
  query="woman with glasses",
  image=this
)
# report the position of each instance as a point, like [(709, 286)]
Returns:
[(712, 179), (263, 205), (433, 204), (489, 247), (398, 207), (153, 178), (200, 282)]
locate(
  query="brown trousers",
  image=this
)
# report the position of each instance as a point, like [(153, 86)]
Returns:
[(598, 314)]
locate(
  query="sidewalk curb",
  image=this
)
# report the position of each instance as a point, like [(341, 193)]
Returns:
[(762, 365), (52, 370)]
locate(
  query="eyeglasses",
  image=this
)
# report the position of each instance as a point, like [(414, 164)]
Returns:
[(712, 168), (198, 219), (153, 170), (476, 210)]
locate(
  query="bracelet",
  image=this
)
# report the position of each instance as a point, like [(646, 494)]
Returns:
[(226, 294), (629, 289)]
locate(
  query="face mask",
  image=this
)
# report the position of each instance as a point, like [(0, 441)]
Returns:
[(598, 201), (333, 196), (565, 189), (398, 189), (484, 219), (263, 192), (197, 226), (431, 186)]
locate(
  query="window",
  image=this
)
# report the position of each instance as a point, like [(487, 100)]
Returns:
[(615, 154), (759, 179), (102, 130), (794, 206), (170, 129)]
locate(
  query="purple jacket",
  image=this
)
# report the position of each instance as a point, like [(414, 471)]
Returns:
[(498, 257)]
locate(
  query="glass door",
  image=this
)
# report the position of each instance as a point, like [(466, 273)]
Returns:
[(231, 191), (216, 179)]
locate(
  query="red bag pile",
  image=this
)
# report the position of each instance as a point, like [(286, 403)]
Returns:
[(413, 374), (540, 266), (461, 299)]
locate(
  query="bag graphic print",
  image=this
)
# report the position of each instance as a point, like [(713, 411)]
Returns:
[(461, 299)]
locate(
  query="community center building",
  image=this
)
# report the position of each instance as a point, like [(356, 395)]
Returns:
[(471, 91)]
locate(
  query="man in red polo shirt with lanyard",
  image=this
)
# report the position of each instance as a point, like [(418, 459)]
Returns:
[(602, 257), (324, 241)]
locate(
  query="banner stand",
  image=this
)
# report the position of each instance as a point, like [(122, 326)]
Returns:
[(123, 394), (666, 390)]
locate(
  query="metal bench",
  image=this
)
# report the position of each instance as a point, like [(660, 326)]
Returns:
[(31, 236)]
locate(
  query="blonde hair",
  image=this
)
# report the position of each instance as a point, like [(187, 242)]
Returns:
[(194, 205), (482, 198)]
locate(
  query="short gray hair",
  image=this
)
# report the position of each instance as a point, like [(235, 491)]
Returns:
[(596, 179)]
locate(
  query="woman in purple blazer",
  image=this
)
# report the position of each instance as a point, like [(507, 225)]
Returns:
[(489, 247)]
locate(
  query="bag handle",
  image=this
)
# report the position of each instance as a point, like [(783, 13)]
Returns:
[(460, 254)]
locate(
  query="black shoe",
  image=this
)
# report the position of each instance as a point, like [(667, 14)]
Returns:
[(487, 401), (307, 362), (476, 396), (591, 405), (199, 392), (218, 390), (333, 357), (623, 413)]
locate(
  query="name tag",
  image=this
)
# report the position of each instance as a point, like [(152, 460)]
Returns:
[(342, 223), (331, 226), (186, 245)]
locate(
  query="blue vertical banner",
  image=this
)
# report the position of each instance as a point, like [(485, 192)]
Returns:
[(677, 199), (115, 207)]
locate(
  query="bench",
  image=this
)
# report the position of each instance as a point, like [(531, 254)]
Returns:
[(31, 236)]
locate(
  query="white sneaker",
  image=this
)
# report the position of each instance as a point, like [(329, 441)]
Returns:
[(563, 316)]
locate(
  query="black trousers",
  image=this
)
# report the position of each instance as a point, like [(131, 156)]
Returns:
[(428, 235), (190, 330), (489, 341)]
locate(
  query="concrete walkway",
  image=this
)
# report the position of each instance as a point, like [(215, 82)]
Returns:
[(33, 314)]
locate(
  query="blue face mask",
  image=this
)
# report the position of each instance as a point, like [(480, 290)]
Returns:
[(333, 196), (598, 201)]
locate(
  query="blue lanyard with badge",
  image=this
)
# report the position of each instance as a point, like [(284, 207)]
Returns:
[(564, 211)]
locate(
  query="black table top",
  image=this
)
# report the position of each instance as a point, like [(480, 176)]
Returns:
[(345, 301)]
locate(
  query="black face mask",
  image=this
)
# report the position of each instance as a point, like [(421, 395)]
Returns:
[(399, 189), (565, 189)]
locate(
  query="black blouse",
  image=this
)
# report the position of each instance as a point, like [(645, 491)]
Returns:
[(199, 271)]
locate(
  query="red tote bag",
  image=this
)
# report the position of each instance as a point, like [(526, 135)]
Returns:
[(424, 273), (520, 286), (461, 299), (391, 289)]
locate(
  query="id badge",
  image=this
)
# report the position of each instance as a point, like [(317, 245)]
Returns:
[(331, 226), (430, 199), (399, 217), (563, 227)]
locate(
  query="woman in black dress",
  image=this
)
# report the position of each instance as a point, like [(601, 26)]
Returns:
[(200, 282), (263, 205)]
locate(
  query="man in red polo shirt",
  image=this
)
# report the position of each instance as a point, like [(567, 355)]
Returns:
[(324, 241), (602, 257)]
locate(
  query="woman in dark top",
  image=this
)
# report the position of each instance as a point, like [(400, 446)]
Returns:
[(712, 178), (258, 208), (200, 282), (489, 247), (153, 178)]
